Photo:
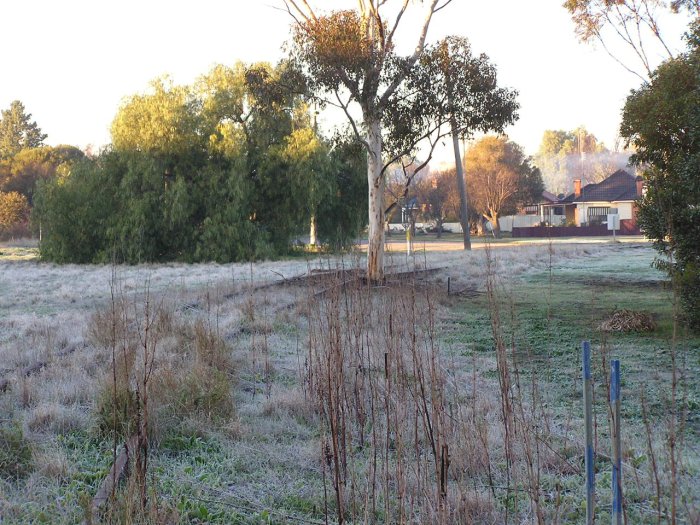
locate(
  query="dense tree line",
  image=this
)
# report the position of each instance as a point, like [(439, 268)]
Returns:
[(227, 169), (25, 160)]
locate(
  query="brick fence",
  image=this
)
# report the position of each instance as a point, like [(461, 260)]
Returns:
[(627, 227)]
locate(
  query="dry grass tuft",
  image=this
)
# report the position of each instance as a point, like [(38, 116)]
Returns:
[(628, 321), (117, 410), (201, 391), (52, 463), (191, 372), (474, 507), (56, 418), (290, 403), (210, 350)]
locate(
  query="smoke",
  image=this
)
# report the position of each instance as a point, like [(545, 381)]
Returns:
[(560, 171)]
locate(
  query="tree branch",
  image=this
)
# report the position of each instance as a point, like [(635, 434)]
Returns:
[(602, 42), (409, 179), (306, 15), (390, 38), (654, 27), (443, 6), (383, 100), (344, 107), (426, 135)]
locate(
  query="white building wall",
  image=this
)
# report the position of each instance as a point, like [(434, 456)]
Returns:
[(624, 209), (509, 222)]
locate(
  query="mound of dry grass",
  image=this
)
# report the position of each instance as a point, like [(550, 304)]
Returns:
[(628, 321)]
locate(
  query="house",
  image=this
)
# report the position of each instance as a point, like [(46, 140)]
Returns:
[(550, 210), (590, 205), (546, 211), (585, 211)]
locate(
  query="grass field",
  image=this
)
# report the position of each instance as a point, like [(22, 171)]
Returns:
[(281, 399)]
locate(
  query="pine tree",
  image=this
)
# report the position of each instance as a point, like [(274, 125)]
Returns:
[(17, 131)]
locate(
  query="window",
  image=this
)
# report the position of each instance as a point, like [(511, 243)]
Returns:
[(598, 215)]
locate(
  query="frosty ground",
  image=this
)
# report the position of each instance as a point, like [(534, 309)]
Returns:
[(262, 459)]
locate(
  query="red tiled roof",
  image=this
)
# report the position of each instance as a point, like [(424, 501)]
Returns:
[(620, 186)]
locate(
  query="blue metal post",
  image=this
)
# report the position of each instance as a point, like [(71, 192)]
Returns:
[(588, 419), (616, 449)]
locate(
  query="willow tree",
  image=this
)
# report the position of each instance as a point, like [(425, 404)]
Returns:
[(350, 59)]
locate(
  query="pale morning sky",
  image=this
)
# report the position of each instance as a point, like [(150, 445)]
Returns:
[(72, 62)]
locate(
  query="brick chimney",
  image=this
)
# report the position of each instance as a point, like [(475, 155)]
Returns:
[(640, 186), (577, 188)]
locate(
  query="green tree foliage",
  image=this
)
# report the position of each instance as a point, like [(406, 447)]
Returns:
[(228, 169), (18, 131), (500, 178), (73, 213), (342, 212), (122, 206), (163, 121), (662, 120), (530, 184)]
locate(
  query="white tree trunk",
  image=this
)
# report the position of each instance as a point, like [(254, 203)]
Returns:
[(312, 231), (375, 179)]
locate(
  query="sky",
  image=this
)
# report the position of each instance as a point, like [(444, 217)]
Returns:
[(72, 62)]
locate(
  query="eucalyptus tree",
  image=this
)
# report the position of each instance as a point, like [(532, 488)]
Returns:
[(349, 58), (350, 61), (462, 90), (634, 23)]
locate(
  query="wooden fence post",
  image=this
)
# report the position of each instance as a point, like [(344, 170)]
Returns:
[(616, 449), (588, 418)]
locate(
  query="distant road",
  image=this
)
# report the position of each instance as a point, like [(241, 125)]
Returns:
[(454, 243)]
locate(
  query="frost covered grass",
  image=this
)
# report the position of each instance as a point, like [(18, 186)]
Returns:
[(264, 456)]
